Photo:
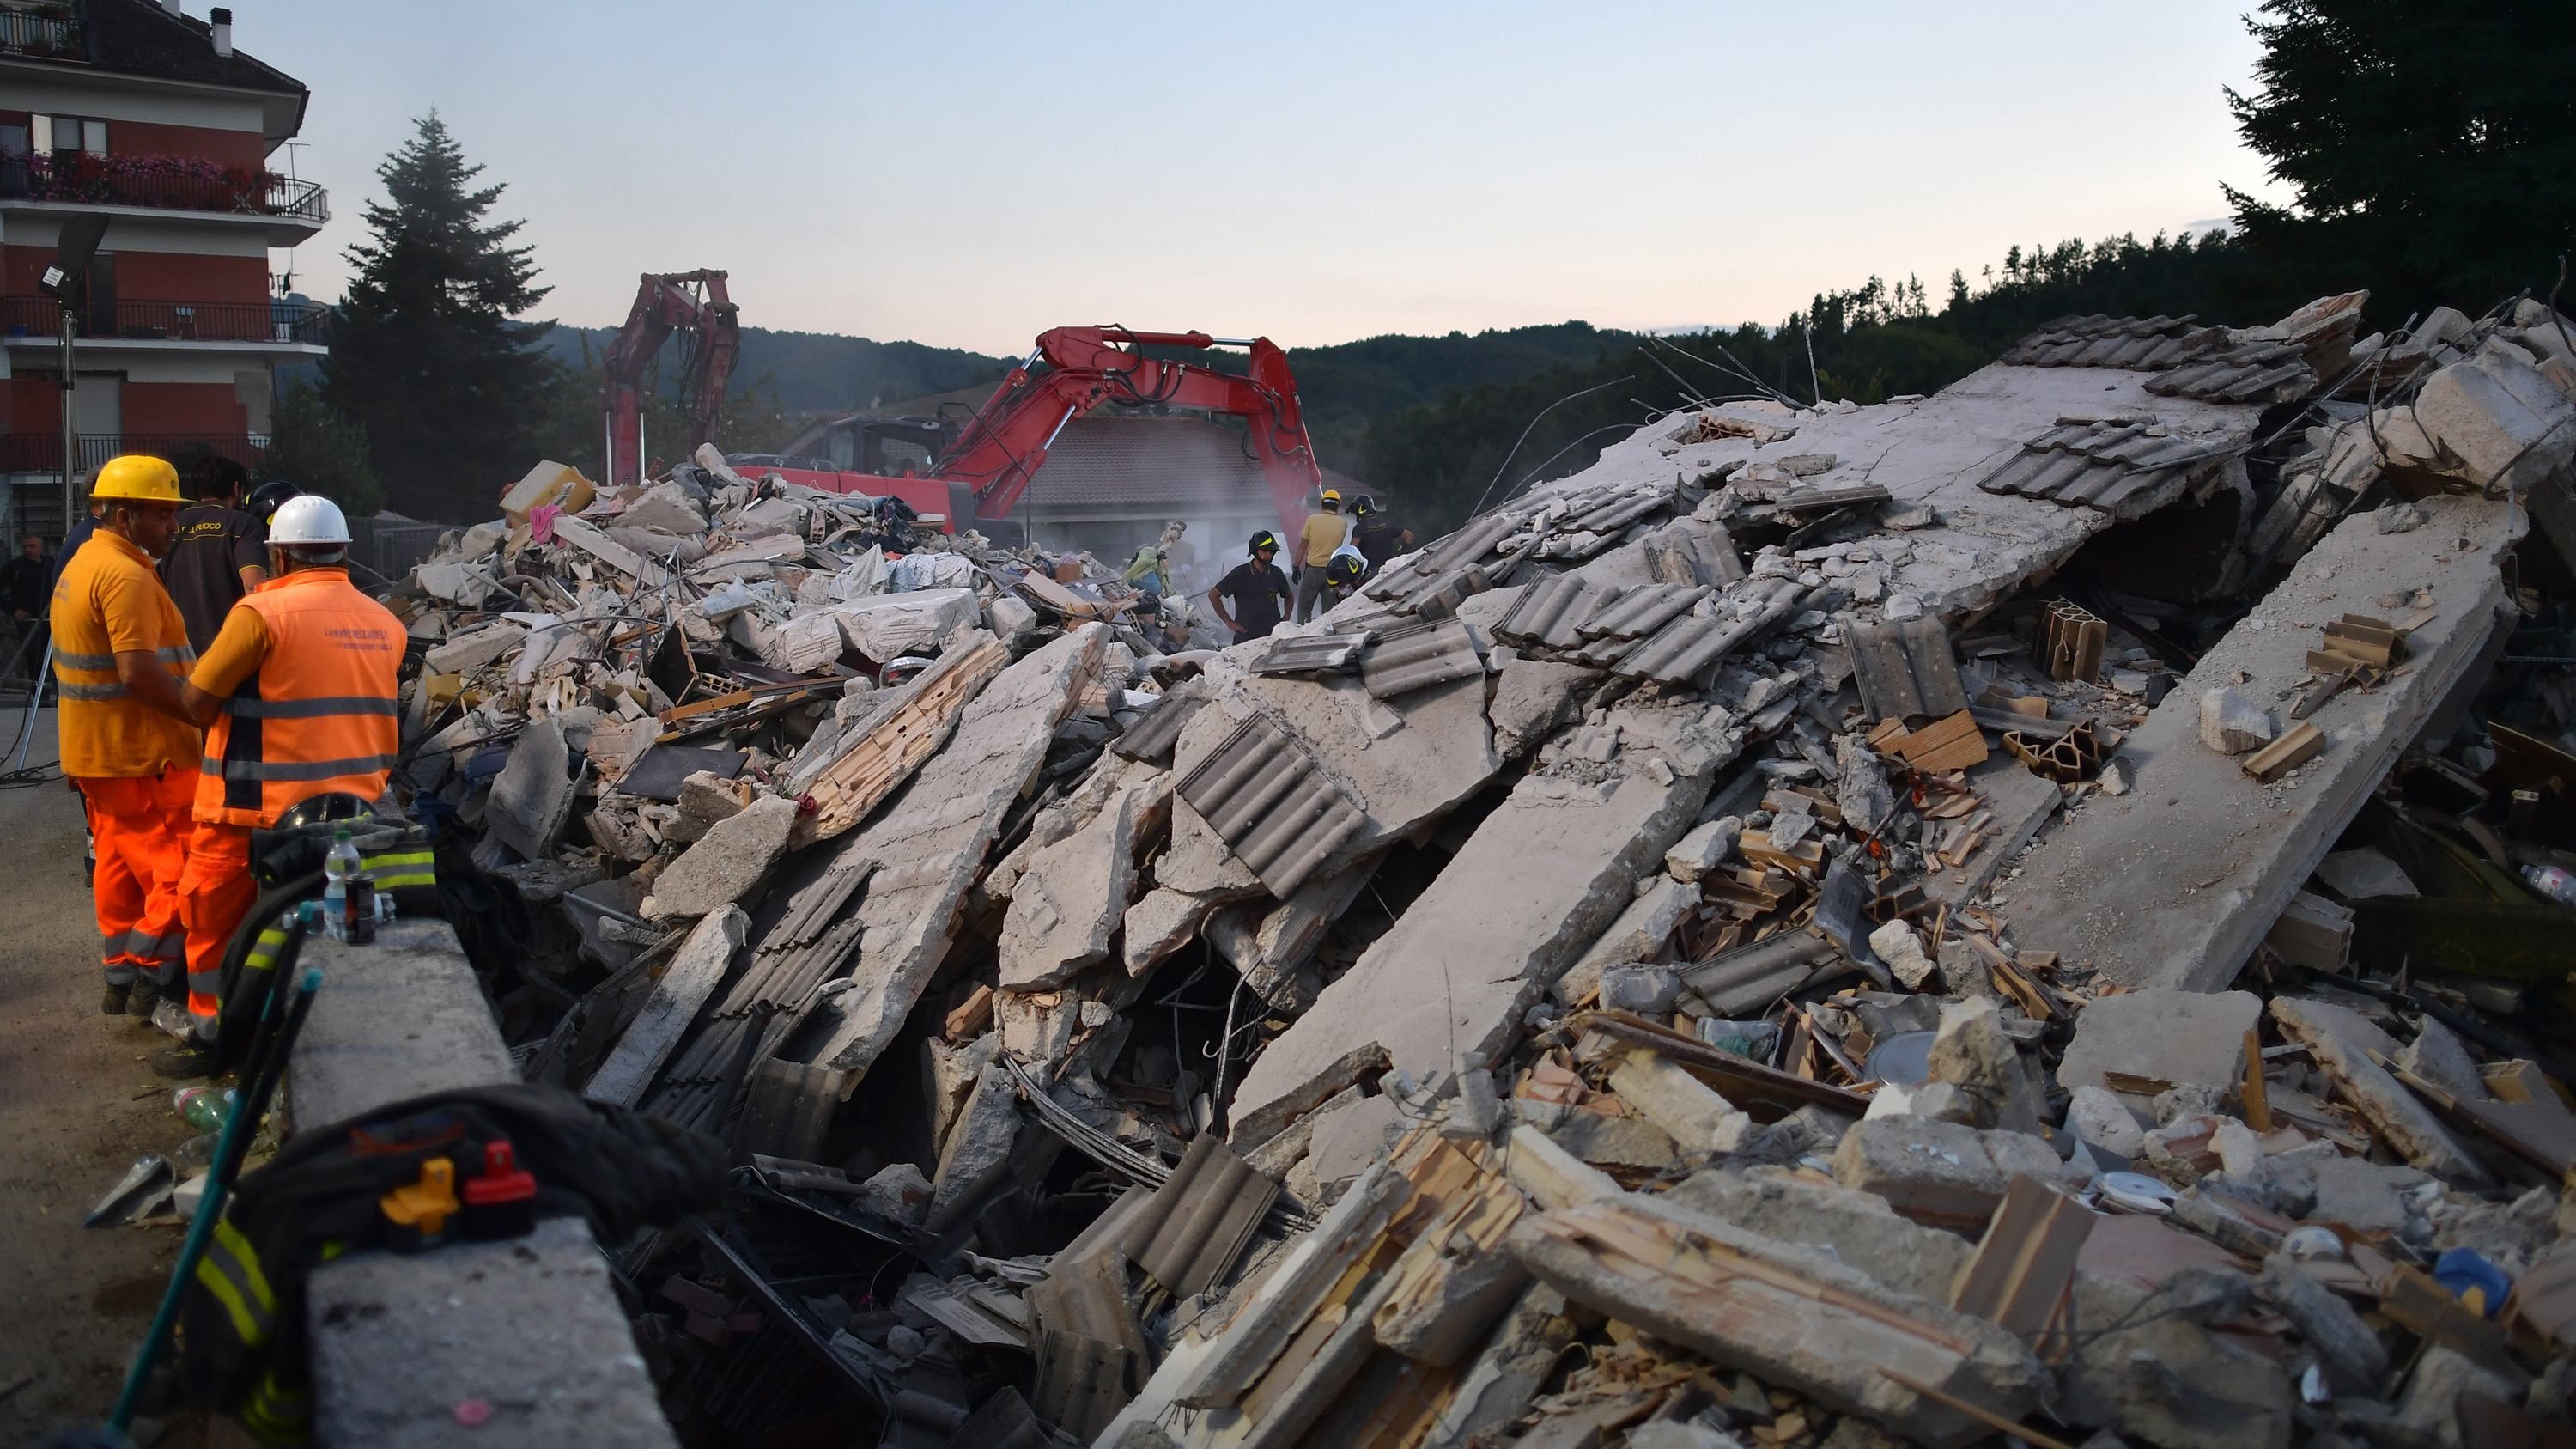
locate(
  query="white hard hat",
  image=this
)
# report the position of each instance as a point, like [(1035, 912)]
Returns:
[(308, 518)]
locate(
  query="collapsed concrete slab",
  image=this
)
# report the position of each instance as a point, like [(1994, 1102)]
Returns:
[(532, 796), (2164, 1035), (1537, 882), (726, 864), (2176, 882), (1069, 900), (933, 840)]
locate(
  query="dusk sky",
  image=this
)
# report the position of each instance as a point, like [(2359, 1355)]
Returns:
[(969, 174)]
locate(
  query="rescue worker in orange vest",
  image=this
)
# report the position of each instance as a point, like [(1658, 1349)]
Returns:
[(120, 652), (299, 692)]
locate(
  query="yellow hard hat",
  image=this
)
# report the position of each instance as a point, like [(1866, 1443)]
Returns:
[(1332, 495), (138, 477)]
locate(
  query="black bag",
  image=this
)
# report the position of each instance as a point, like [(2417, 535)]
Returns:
[(242, 1345)]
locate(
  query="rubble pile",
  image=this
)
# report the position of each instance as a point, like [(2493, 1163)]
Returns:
[(2035, 910)]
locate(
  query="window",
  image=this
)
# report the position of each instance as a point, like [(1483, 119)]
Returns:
[(60, 134)]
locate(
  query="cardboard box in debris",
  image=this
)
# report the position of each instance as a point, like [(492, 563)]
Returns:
[(2036, 909)]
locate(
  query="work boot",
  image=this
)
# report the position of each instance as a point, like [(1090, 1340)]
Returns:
[(117, 994), (147, 996), (186, 1060)]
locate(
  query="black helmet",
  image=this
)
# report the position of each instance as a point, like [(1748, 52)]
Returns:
[(1363, 506), (264, 499), (1344, 568), (1264, 539), (322, 809)]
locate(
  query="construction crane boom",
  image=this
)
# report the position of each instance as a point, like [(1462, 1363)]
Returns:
[(690, 302)]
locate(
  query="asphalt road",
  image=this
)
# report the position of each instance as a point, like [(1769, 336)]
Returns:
[(77, 1106)]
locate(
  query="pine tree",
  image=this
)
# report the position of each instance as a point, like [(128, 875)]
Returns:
[(450, 392), (2431, 147)]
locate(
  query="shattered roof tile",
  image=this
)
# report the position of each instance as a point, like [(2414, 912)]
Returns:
[(2212, 364), (1263, 796), (1547, 613), (1420, 656), (2104, 464), (1154, 736), (1905, 668), (1196, 1224), (1310, 653), (1641, 611)]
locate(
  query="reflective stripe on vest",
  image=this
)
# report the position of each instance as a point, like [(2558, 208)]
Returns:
[(401, 869), (318, 715), (230, 1272)]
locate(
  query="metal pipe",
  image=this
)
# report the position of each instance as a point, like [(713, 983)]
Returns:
[(71, 438)]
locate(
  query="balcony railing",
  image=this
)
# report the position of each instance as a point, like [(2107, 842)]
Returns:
[(169, 183), (50, 32), (43, 452), (140, 321)]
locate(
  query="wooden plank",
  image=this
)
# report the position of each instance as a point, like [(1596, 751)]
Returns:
[(2025, 1263), (2302, 743), (692, 976), (1953, 742), (2258, 1098), (970, 1017)]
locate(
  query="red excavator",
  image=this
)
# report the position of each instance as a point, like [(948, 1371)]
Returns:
[(693, 303), (983, 471)]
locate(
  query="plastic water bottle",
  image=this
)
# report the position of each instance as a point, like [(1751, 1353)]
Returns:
[(205, 1108), (2553, 882), (337, 867)]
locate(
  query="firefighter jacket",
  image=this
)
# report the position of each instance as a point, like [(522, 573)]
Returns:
[(308, 668)]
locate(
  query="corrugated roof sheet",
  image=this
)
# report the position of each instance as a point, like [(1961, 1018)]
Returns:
[(1197, 1223), (1263, 795), (1548, 613), (1682, 652), (2250, 372), (2209, 363), (1905, 668), (1641, 611), (1310, 653), (1470, 544), (2104, 464), (1153, 736), (1419, 657)]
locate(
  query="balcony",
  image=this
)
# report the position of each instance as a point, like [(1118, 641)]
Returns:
[(270, 323), (43, 452), (77, 180), (47, 32)]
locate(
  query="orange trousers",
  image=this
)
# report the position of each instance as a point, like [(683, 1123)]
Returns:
[(215, 892), (139, 828)]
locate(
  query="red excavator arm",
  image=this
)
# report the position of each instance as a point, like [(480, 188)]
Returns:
[(1074, 369), (677, 301)]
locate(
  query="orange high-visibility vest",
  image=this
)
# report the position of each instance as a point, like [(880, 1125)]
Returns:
[(318, 715)]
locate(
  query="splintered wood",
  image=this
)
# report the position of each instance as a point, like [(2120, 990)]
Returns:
[(1950, 743), (860, 781)]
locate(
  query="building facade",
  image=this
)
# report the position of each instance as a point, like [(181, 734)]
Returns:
[(152, 118)]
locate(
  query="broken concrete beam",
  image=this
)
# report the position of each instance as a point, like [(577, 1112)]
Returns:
[(694, 973), (2355, 1360), (934, 838), (1254, 1125), (532, 796), (2176, 882), (1859, 1229), (2343, 1043), (1789, 1316), (1552, 1176), (1506, 1374), (1538, 880), (725, 864), (1159, 924), (1639, 934), (1350, 1138), (591, 540), (1295, 1289), (1939, 1172), (1068, 901), (2164, 1035), (464, 653), (2152, 1370), (1699, 1120), (1454, 1280), (979, 1146), (1270, 949), (1703, 849), (2022, 802)]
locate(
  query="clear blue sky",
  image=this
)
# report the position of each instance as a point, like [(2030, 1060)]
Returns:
[(969, 174)]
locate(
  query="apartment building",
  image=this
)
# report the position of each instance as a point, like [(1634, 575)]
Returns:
[(153, 118)]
